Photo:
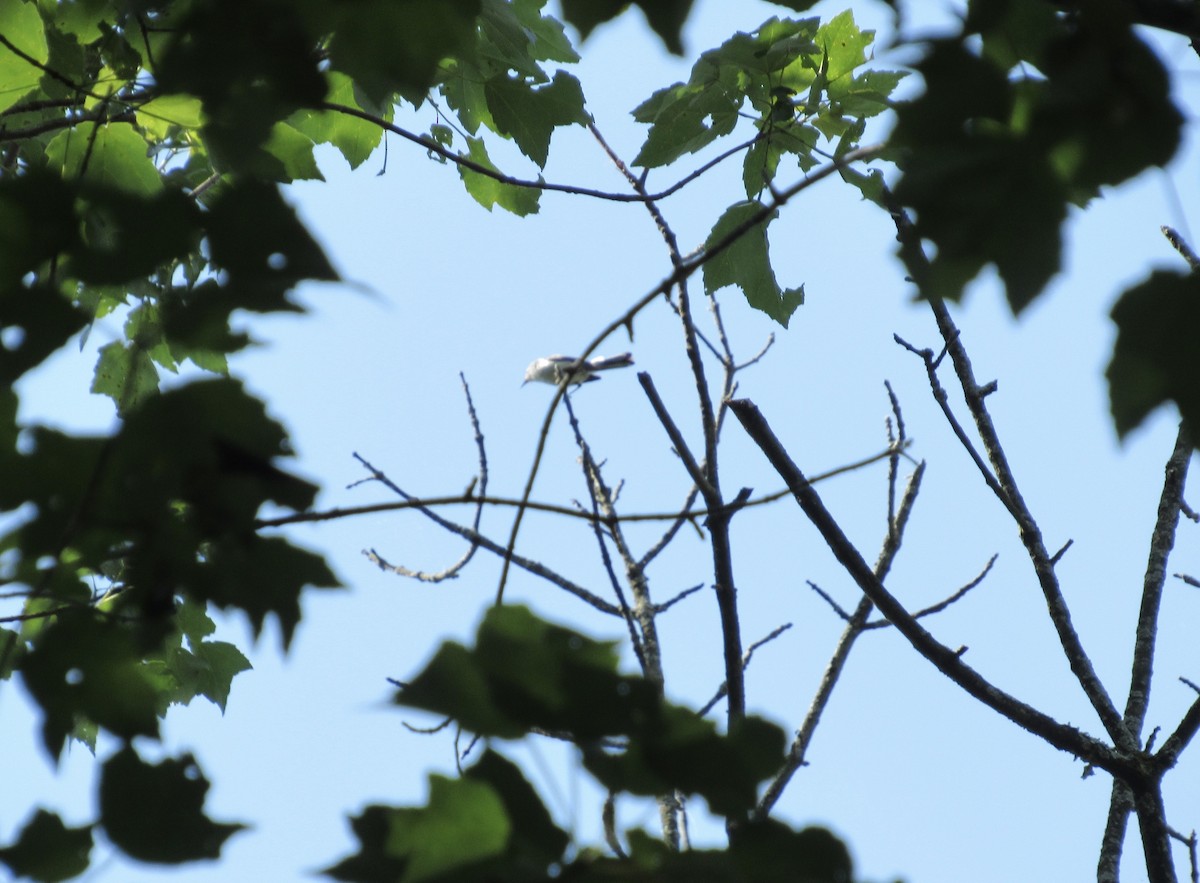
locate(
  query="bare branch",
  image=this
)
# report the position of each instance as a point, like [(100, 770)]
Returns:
[(1181, 246), (470, 498), (1190, 842), (694, 470), (1112, 843), (1168, 755), (597, 492), (1162, 540), (798, 750), (1064, 737)]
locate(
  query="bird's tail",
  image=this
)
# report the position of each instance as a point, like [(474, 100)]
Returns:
[(603, 363)]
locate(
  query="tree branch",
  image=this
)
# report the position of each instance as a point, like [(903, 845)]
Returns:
[(1005, 484), (1162, 540), (1065, 738)]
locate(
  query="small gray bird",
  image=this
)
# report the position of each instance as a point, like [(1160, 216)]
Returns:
[(556, 370)]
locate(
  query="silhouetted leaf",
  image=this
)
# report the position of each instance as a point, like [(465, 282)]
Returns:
[(83, 666), (155, 812), (1158, 323), (388, 47), (47, 850), (665, 16)]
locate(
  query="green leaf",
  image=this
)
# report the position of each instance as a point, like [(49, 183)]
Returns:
[(489, 822), (215, 665), (82, 666), (158, 115), (674, 749), (866, 94), (549, 38), (766, 68), (355, 138), (22, 26), (488, 192), (294, 150), (47, 850), (1107, 105), (684, 119), (262, 577), (1157, 325), (769, 851), (82, 19), (535, 839), (112, 155), (844, 43), (373, 863), (525, 673), (746, 263), (194, 622), (464, 823), (125, 373), (454, 684), (12, 648), (530, 115), (155, 812)]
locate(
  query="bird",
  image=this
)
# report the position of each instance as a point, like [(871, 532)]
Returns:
[(556, 369)]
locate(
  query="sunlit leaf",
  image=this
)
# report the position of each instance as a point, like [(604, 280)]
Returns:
[(746, 263), (112, 155), (22, 26), (530, 115), (488, 191)]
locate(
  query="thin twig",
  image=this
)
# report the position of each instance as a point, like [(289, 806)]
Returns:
[(597, 491), (945, 602), (723, 690), (472, 499)]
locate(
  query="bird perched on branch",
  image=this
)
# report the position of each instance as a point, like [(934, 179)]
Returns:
[(557, 370)]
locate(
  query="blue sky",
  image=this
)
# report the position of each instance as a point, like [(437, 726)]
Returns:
[(922, 781)]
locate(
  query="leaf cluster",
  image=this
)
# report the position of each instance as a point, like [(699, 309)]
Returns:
[(524, 675)]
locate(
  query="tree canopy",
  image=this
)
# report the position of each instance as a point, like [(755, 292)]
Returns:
[(143, 147)]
